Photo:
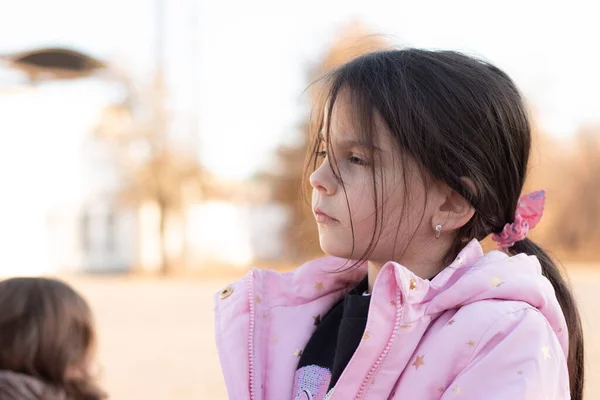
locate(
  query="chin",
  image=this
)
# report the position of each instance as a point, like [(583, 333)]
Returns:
[(335, 248)]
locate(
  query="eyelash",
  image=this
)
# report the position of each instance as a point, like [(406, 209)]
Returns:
[(354, 160), (358, 161)]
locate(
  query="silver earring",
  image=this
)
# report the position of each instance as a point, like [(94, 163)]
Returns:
[(438, 231)]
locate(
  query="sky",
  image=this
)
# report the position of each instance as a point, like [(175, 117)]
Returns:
[(238, 68)]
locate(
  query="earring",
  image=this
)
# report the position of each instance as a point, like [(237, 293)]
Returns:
[(438, 231)]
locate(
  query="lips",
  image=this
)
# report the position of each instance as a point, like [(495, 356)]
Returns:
[(323, 218)]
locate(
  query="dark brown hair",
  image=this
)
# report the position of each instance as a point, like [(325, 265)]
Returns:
[(47, 332), (457, 116)]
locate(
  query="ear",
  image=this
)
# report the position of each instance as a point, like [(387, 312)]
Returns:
[(453, 211)]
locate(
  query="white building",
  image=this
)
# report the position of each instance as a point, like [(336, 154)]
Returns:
[(58, 205), (55, 216)]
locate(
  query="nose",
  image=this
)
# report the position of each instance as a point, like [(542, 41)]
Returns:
[(323, 180)]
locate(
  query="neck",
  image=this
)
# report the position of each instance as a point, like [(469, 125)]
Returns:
[(372, 273)]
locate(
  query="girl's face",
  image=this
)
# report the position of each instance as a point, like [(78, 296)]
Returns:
[(402, 225)]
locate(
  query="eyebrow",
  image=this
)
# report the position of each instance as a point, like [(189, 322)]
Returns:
[(353, 143)]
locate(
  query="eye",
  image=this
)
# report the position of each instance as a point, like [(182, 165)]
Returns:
[(321, 154), (358, 161)]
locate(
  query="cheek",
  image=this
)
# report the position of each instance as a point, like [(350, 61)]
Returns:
[(391, 216), (361, 200), (367, 216), (405, 212), (417, 209)]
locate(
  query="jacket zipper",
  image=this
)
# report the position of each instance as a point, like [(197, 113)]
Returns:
[(251, 335), (363, 387)]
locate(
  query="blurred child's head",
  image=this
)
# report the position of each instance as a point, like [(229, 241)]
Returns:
[(410, 139), (47, 331)]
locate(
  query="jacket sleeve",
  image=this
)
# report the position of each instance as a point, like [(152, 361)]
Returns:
[(519, 357)]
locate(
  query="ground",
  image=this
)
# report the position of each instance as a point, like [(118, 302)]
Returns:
[(157, 343)]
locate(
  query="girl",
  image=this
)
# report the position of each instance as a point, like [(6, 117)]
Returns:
[(46, 342), (419, 155)]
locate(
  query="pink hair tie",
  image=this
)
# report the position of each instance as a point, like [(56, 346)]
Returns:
[(528, 214)]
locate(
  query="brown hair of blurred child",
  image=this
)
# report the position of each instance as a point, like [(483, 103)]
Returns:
[(47, 342)]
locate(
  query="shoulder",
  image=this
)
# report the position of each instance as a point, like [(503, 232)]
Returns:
[(487, 313), (484, 325), (512, 348), (482, 315), (509, 329), (496, 335), (495, 317)]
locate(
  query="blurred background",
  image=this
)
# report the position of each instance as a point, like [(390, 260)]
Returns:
[(152, 151)]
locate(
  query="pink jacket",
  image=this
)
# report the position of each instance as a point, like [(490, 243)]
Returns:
[(486, 327)]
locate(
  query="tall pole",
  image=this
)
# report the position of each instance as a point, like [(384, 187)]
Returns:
[(161, 130), (195, 61), (160, 84)]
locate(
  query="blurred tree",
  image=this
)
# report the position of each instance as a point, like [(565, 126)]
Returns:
[(576, 228), (286, 178), (569, 171), (152, 169)]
